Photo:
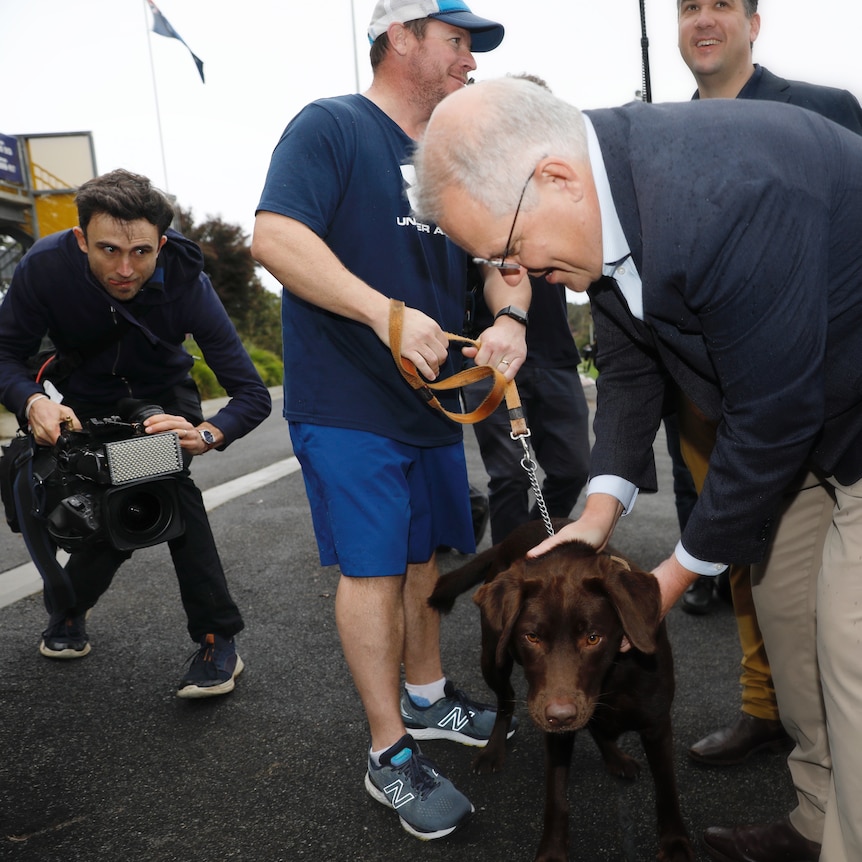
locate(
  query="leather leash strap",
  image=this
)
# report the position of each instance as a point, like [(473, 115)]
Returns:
[(501, 388)]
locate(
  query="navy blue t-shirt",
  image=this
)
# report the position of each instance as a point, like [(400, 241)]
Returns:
[(343, 168)]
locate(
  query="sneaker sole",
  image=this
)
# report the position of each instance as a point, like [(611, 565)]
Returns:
[(451, 735), (193, 692), (63, 653), (381, 797)]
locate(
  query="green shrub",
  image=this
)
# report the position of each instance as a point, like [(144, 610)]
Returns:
[(268, 365), (590, 371), (205, 378)]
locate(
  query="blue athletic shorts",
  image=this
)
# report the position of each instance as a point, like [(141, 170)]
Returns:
[(378, 504)]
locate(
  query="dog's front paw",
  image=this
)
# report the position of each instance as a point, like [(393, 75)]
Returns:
[(676, 849), (552, 854), (489, 760), (619, 764)]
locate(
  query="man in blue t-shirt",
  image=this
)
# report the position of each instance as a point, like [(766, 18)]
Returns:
[(385, 475)]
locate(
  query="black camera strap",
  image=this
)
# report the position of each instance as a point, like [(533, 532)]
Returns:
[(136, 322), (59, 593)]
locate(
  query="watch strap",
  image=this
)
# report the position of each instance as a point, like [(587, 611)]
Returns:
[(515, 313)]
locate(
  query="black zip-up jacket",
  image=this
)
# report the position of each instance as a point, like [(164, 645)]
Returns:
[(53, 292)]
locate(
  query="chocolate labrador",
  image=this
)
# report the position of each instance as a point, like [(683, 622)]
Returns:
[(562, 617)]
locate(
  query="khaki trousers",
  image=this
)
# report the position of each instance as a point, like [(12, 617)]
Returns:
[(808, 595), (804, 606)]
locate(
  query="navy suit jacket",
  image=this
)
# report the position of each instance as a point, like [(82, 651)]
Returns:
[(840, 106), (744, 222)]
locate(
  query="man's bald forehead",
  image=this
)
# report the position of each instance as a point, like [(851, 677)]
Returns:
[(456, 107)]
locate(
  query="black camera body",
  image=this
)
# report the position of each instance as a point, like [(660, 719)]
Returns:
[(110, 483)]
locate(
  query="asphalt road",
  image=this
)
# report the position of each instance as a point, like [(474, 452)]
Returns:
[(99, 761)]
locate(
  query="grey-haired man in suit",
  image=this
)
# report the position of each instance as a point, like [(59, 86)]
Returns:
[(719, 242)]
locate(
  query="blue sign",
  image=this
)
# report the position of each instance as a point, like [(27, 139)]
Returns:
[(10, 160)]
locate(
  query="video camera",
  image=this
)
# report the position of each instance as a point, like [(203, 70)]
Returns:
[(110, 482)]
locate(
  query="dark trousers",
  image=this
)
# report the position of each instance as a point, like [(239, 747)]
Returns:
[(557, 416), (203, 587)]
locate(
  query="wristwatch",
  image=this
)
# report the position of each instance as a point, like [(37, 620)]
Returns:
[(515, 313), (207, 436)]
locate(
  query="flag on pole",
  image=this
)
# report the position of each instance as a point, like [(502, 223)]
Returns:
[(163, 27)]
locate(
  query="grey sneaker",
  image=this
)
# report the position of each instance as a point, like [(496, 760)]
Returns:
[(213, 669), (65, 637), (428, 805), (453, 717)]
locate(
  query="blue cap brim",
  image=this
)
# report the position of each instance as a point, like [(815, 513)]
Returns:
[(485, 35)]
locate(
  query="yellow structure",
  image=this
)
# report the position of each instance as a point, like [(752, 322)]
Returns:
[(38, 178)]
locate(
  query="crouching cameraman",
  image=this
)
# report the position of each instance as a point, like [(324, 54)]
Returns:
[(117, 296)]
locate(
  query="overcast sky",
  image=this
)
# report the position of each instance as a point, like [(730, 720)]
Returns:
[(94, 65)]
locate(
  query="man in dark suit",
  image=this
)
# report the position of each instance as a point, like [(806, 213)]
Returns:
[(716, 40), (719, 242)]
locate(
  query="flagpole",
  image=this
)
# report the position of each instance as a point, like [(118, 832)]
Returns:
[(156, 95), (355, 49)]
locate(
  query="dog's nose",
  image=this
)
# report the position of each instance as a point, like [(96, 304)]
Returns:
[(564, 715)]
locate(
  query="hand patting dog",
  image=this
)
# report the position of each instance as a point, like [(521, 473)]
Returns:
[(562, 617)]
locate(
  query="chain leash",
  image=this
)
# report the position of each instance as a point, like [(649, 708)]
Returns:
[(529, 465)]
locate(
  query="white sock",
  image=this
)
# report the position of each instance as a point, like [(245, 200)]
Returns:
[(425, 695), (398, 758)]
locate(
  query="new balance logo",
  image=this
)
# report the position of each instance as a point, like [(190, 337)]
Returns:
[(457, 719), (396, 794)]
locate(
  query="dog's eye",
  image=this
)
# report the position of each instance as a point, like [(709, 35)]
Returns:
[(531, 638), (593, 639)]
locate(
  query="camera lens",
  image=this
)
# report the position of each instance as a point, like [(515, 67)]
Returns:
[(142, 515)]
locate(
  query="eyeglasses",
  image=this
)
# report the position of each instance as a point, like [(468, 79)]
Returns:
[(500, 262)]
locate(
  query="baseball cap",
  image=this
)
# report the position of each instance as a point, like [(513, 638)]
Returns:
[(486, 35)]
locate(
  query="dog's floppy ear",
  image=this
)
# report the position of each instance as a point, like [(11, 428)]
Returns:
[(501, 601), (636, 597)]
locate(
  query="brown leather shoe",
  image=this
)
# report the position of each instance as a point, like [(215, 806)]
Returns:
[(734, 744), (772, 842)]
